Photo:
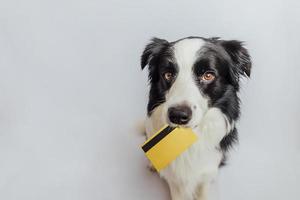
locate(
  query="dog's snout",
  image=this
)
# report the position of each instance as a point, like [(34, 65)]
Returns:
[(180, 114)]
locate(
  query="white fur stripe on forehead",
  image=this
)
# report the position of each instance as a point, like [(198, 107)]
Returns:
[(185, 51)]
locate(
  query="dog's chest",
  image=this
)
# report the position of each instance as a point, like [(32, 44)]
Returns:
[(198, 163)]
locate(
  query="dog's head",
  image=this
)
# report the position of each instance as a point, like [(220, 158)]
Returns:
[(191, 75)]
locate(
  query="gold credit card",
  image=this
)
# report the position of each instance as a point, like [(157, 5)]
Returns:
[(167, 144)]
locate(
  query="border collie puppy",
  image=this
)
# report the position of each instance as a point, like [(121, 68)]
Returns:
[(194, 83)]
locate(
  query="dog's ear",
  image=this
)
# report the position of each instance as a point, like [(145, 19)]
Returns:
[(152, 49), (239, 56)]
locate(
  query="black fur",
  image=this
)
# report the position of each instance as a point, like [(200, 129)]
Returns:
[(229, 60), (156, 55)]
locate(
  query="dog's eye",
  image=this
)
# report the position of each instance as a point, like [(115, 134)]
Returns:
[(168, 76), (208, 76)]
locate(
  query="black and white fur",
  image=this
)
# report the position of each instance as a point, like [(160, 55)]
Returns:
[(210, 108)]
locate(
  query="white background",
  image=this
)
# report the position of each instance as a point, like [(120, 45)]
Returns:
[(71, 92)]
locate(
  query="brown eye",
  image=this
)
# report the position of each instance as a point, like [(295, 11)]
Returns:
[(168, 76), (208, 76)]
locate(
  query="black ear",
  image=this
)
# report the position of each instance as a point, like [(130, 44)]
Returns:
[(239, 56), (152, 49)]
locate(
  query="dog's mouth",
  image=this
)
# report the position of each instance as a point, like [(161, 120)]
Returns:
[(183, 125)]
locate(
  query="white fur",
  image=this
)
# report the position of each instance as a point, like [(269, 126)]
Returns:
[(191, 173)]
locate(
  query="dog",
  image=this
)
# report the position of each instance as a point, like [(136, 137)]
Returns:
[(194, 82)]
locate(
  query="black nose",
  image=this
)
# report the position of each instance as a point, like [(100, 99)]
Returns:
[(180, 114)]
